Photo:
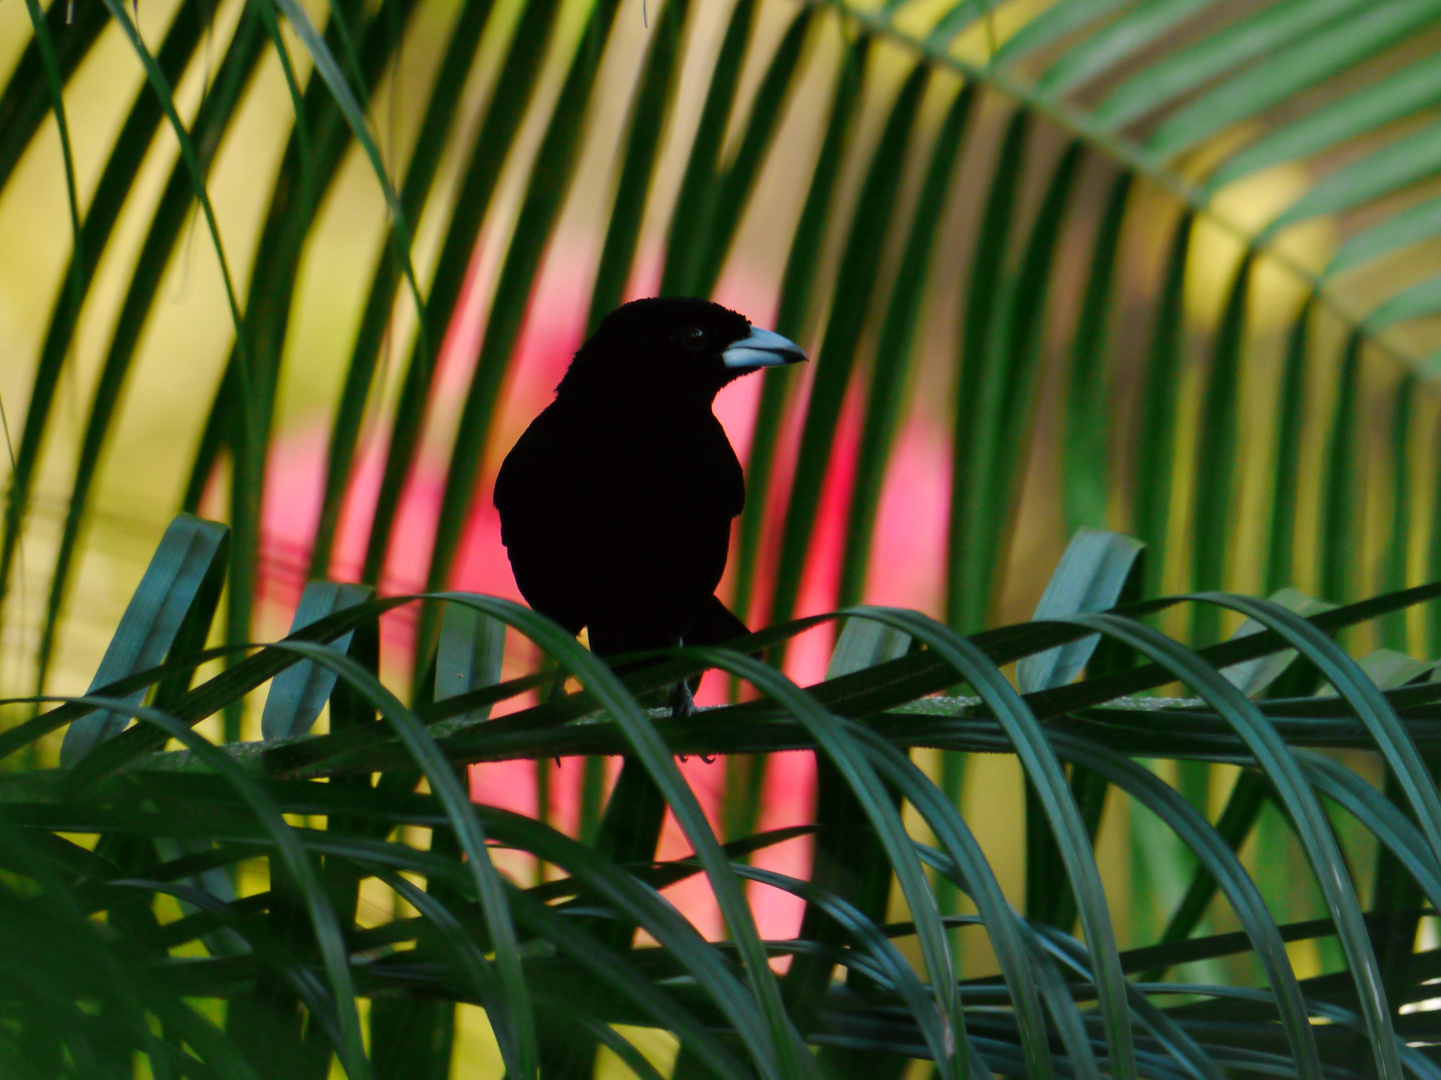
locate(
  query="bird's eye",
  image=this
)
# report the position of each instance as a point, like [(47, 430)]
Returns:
[(693, 338)]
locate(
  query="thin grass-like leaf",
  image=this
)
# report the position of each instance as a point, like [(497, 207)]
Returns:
[(303, 180), (1282, 541), (627, 981), (961, 15), (967, 583), (327, 69), (194, 167), (894, 348), (1051, 25), (26, 97), (550, 179), (887, 966), (648, 113), (299, 693), (420, 175), (1218, 856), (243, 53), (1089, 577), (531, 37), (1180, 1045), (1333, 47), (1341, 494), (317, 997), (322, 916), (695, 202), (1300, 802), (1372, 107), (1013, 361), (647, 909), (744, 779), (607, 1036), (1154, 448), (55, 82), (511, 1011), (1390, 826), (1094, 571), (1000, 919), (1421, 299), (458, 943), (1364, 697), (1091, 374), (736, 182), (1412, 225), (1192, 66), (949, 1042), (178, 593), (1115, 42), (1069, 1025), (1237, 822), (200, 1033), (780, 1045), (267, 14), (796, 304), (835, 362), (849, 860), (1044, 772), (110, 193), (1403, 526), (1216, 457), (1397, 165), (1417, 1062)]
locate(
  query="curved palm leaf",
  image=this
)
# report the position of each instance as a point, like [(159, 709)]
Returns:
[(1198, 100), (1177, 253)]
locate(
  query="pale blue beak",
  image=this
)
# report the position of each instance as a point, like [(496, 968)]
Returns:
[(762, 349)]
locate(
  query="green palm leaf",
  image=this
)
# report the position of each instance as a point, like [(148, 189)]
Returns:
[(1168, 267)]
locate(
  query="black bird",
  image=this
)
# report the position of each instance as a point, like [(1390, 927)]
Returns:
[(616, 503)]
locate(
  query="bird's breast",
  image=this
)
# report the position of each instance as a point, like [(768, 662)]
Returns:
[(666, 468), (608, 518)]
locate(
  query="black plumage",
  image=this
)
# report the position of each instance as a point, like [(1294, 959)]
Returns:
[(616, 503)]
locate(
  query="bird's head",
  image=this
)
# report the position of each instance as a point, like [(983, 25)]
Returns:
[(673, 348)]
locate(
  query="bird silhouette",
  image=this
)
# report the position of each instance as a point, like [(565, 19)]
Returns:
[(616, 503)]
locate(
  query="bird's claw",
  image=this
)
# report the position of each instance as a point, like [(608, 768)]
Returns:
[(682, 702)]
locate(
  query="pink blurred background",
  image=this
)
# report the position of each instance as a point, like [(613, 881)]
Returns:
[(907, 553)]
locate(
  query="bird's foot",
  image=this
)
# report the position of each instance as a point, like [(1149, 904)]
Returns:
[(682, 703)]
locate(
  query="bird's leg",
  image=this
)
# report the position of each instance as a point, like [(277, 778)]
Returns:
[(682, 702)]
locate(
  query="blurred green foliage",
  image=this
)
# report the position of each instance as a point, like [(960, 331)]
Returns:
[(1165, 268)]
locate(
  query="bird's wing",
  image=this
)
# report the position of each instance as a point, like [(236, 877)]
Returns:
[(512, 479), (730, 479), (715, 624), (535, 492), (536, 477)]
